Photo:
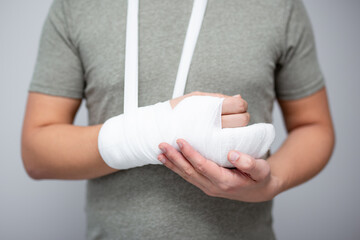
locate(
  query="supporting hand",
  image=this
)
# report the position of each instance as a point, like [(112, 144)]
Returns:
[(250, 181)]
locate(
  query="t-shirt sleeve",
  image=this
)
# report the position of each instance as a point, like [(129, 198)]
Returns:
[(58, 69), (298, 73)]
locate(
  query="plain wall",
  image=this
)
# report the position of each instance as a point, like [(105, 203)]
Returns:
[(325, 207)]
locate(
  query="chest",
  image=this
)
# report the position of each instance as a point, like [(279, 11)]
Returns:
[(236, 50)]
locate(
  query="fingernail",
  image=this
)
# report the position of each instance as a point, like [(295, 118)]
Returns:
[(162, 149), (179, 144), (233, 156), (237, 95), (162, 159)]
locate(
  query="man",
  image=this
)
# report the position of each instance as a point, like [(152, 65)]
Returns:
[(263, 50)]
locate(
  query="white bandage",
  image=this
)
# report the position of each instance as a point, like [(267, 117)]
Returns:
[(132, 139)]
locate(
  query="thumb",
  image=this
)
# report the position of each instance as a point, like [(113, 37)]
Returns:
[(258, 169)]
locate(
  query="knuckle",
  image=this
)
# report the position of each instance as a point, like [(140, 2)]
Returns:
[(260, 177), (246, 118), (201, 167), (245, 105), (265, 174), (207, 192), (240, 106), (224, 187), (188, 172), (210, 193), (251, 165)]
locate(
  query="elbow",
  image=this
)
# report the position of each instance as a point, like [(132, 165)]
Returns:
[(332, 140), (328, 142), (33, 173), (32, 169), (31, 165)]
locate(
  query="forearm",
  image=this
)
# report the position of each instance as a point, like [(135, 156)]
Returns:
[(63, 151), (304, 154)]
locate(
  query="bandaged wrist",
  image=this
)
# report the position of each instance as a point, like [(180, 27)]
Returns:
[(132, 139), (129, 140)]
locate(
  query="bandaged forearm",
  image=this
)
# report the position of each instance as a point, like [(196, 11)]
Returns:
[(132, 139)]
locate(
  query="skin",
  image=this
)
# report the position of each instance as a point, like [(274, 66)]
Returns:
[(303, 154), (53, 148), (48, 130)]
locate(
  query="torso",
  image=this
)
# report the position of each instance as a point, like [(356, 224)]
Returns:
[(236, 52)]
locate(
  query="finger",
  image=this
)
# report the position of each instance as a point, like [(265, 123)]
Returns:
[(167, 163), (235, 120), (258, 169), (223, 178), (202, 165), (175, 101), (233, 105), (176, 161)]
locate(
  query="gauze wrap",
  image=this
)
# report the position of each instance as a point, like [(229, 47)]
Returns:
[(131, 140)]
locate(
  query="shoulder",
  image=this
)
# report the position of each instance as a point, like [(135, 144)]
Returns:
[(84, 5), (280, 9), (273, 13)]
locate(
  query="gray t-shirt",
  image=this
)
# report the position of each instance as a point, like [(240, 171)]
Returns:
[(261, 49)]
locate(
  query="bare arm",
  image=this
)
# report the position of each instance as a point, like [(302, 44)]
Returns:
[(310, 142), (52, 147), (304, 153)]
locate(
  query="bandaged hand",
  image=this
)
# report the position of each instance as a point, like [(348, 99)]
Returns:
[(131, 140)]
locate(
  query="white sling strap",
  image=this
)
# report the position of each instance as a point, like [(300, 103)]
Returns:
[(131, 53), (131, 58), (192, 34)]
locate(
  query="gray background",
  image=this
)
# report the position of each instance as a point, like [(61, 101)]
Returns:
[(325, 207)]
